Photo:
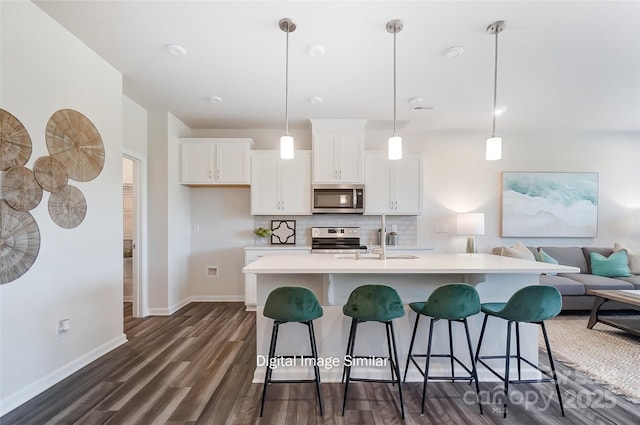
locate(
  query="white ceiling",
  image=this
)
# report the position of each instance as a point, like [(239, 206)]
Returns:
[(571, 65)]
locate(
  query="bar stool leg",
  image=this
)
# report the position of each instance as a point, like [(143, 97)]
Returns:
[(451, 350), (351, 345), (426, 366), (413, 338), (269, 371), (344, 369), (484, 325), (519, 357), (474, 369), (395, 362), (553, 367), (506, 368), (391, 361), (316, 368)]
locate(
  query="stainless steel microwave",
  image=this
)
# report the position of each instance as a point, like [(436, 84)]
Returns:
[(338, 199)]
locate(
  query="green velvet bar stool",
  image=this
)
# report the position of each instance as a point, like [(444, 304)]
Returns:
[(531, 304), (292, 304), (373, 303), (453, 302)]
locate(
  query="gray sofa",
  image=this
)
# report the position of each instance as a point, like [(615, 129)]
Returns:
[(573, 286)]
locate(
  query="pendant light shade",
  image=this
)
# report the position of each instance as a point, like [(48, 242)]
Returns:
[(286, 147), (395, 142), (395, 147), (494, 144), (286, 141), (494, 148)]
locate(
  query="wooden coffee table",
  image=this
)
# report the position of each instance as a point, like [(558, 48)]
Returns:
[(630, 297)]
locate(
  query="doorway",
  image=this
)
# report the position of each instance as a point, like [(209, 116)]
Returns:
[(133, 287)]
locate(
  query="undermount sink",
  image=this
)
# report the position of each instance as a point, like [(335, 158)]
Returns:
[(376, 257)]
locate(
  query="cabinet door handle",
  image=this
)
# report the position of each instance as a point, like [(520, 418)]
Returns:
[(396, 204), (210, 174), (218, 177)]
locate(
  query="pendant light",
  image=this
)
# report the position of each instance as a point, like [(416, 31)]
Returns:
[(494, 143), (286, 141), (395, 142)]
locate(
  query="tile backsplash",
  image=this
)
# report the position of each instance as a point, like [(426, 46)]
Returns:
[(369, 225)]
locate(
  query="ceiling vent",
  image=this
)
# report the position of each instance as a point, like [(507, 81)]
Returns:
[(422, 108)]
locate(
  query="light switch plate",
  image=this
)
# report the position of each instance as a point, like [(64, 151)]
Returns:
[(442, 228)]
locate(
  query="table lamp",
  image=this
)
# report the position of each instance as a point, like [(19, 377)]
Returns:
[(471, 224)]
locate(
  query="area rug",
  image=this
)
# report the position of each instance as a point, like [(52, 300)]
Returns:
[(605, 354)]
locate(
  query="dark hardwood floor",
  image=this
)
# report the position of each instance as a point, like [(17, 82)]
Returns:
[(196, 366)]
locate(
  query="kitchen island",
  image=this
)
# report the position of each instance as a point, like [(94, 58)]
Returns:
[(333, 277)]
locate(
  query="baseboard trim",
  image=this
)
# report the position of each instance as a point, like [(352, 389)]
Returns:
[(32, 390), (218, 298), (197, 299)]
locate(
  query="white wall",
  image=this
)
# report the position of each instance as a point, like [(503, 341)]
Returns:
[(169, 216), (221, 216), (78, 272)]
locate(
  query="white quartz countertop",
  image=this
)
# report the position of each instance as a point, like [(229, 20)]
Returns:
[(428, 263)]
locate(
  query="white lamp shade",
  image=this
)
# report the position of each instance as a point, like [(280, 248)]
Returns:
[(494, 148), (286, 147), (470, 224), (395, 147)]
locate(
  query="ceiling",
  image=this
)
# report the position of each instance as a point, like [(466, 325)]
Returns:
[(571, 65)]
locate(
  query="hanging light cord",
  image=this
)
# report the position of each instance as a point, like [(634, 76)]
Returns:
[(286, 88), (495, 85), (394, 84)]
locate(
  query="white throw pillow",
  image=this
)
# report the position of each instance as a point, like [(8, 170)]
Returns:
[(517, 253), (634, 259)]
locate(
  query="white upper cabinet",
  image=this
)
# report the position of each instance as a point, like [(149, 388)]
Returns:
[(280, 186), (338, 151), (212, 161), (393, 187)]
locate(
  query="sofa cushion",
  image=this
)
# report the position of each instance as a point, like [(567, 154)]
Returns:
[(605, 252), (517, 253), (599, 282), (634, 259), (546, 258), (565, 285), (616, 265), (568, 256), (634, 279)]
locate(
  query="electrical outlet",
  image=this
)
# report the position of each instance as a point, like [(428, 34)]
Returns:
[(63, 327)]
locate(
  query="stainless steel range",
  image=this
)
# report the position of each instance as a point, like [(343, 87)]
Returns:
[(336, 240)]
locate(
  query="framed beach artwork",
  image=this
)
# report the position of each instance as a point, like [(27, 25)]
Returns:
[(549, 204)]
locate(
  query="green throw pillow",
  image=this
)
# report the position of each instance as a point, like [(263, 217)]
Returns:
[(616, 265), (543, 257)]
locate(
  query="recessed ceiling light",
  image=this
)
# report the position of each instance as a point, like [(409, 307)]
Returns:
[(315, 100), (214, 99), (453, 52), (415, 100), (500, 109), (176, 49), (315, 50)]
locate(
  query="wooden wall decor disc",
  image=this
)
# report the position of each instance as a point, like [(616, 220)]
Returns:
[(67, 207), (20, 188), (19, 242), (74, 140), (15, 142), (50, 173)]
